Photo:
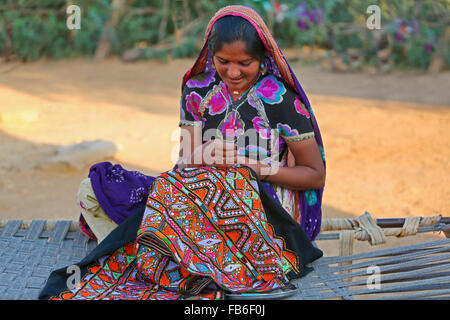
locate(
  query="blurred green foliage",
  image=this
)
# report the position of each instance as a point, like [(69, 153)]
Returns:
[(412, 31)]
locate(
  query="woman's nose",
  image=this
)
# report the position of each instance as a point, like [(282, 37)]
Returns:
[(234, 72)]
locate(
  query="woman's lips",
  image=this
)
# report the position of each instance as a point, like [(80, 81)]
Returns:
[(235, 81)]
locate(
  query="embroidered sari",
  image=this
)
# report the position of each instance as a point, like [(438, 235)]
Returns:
[(201, 231)]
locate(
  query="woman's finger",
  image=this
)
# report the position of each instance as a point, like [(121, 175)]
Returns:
[(224, 144), (225, 153), (227, 145), (209, 153), (219, 152)]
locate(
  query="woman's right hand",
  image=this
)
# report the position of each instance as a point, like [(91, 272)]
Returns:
[(217, 153)]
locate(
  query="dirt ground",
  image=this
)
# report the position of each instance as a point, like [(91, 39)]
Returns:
[(386, 136)]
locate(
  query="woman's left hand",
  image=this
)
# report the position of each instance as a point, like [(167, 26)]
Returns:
[(252, 163)]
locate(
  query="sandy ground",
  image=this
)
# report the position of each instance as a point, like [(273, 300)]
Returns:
[(386, 136)]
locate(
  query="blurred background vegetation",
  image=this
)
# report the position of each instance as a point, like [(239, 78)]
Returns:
[(414, 34)]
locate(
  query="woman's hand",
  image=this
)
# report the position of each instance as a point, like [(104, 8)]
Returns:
[(254, 164), (307, 171), (219, 153), (215, 153), (262, 169)]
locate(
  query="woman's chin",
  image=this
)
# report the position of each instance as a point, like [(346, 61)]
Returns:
[(235, 85)]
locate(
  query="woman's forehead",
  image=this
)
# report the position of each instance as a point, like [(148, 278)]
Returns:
[(236, 50)]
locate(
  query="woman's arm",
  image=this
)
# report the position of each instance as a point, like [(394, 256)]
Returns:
[(308, 172), (190, 139), (211, 153)]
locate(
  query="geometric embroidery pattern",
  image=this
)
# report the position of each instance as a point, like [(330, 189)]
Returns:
[(203, 231)]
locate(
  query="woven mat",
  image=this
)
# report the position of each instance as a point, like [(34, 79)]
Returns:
[(29, 251), (417, 272), (28, 255)]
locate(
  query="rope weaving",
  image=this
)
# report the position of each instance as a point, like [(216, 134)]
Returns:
[(365, 228)]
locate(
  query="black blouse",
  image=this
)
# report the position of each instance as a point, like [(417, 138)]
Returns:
[(259, 122)]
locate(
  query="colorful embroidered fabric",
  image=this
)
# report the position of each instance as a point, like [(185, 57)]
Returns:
[(204, 231)]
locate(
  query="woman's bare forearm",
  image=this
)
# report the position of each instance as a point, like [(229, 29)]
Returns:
[(309, 173), (295, 178), (300, 177)]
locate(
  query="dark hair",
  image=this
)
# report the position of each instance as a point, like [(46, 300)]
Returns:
[(233, 28)]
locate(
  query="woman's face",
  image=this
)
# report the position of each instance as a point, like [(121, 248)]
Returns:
[(237, 68)]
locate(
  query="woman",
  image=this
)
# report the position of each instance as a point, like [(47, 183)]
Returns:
[(245, 93), (222, 221)]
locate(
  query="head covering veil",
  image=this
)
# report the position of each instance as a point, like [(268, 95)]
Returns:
[(310, 201)]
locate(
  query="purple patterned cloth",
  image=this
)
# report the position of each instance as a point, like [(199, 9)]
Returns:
[(120, 192)]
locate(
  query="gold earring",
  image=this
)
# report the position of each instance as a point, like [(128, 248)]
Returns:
[(263, 69)]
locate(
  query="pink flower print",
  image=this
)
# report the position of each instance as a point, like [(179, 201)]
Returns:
[(261, 128), (232, 126), (217, 104), (193, 101), (270, 90), (201, 80), (286, 131), (300, 107)]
